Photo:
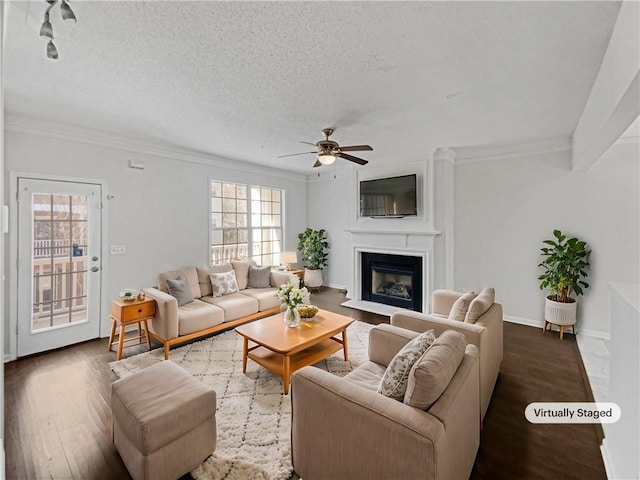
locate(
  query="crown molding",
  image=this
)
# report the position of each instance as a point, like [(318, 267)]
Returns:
[(33, 126), (486, 153)]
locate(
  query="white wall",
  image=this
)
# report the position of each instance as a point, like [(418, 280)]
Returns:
[(505, 208), (159, 213), (333, 205)]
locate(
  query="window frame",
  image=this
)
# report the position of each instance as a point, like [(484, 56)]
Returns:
[(275, 231)]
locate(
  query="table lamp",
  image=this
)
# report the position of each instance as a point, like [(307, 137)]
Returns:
[(288, 258)]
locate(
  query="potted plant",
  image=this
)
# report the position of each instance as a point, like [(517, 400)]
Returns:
[(313, 245), (565, 263)]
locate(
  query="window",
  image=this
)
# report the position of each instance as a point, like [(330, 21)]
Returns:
[(246, 221)]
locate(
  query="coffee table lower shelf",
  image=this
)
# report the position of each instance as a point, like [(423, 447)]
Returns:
[(278, 364)]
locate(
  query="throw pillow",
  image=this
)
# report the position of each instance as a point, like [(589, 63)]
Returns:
[(241, 267), (203, 276), (223, 283), (180, 290), (431, 374), (395, 378), (259, 277), (480, 304), (461, 306)]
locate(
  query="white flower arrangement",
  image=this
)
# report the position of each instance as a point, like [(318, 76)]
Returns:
[(292, 296)]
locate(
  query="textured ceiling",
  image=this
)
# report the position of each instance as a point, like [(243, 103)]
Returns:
[(249, 80)]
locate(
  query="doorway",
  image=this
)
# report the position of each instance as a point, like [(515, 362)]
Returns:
[(59, 263)]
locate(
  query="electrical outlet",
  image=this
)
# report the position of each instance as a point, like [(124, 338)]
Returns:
[(118, 249)]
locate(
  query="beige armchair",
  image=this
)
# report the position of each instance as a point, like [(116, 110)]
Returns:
[(485, 333), (343, 428)]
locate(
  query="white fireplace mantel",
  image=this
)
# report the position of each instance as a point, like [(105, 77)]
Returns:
[(394, 242)]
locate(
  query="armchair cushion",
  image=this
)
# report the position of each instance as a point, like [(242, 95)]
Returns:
[(259, 277), (431, 374), (223, 283), (180, 290), (460, 307), (480, 304), (396, 376)]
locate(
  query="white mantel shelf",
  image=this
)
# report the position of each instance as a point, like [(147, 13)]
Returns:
[(394, 232)]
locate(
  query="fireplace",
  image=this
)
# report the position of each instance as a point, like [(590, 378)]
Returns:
[(392, 279)]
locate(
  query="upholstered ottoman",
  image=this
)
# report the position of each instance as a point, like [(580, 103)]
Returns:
[(164, 422)]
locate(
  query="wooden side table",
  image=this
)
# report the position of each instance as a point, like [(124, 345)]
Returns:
[(130, 313)]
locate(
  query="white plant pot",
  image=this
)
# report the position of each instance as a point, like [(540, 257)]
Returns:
[(313, 278), (560, 313)]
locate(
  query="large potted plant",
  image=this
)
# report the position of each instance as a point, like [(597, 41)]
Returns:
[(313, 245), (565, 266)]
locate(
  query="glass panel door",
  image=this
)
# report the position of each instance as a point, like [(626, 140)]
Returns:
[(59, 264)]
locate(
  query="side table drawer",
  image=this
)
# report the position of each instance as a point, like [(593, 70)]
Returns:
[(140, 310)]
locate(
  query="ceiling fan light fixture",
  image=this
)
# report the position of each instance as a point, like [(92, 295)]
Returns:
[(326, 158), (67, 13)]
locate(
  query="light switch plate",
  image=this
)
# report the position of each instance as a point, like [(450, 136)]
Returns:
[(118, 249)]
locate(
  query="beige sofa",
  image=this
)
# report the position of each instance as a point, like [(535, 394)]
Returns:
[(485, 332), (343, 428), (208, 314)]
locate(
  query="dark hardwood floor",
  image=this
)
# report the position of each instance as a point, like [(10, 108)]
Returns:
[(58, 419)]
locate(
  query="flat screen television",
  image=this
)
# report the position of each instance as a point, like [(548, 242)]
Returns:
[(389, 197)]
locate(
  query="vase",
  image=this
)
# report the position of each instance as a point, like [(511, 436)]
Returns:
[(291, 317)]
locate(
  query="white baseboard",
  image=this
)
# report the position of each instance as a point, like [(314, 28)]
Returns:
[(523, 321), (337, 286), (538, 324), (608, 467), (7, 358)]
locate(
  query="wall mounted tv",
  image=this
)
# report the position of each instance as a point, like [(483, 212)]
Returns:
[(392, 197)]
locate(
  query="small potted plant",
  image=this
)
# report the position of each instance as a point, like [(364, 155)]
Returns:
[(565, 267), (313, 245)]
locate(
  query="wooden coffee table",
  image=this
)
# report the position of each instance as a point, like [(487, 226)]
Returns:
[(283, 350)]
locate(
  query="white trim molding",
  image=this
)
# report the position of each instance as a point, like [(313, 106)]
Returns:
[(28, 125), (525, 148)]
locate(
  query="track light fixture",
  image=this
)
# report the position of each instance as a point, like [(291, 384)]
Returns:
[(46, 30)]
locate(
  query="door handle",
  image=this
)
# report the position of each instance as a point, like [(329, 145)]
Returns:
[(95, 269)]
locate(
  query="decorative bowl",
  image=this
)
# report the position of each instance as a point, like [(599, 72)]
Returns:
[(307, 312)]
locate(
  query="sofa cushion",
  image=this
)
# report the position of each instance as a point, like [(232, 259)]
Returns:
[(241, 267), (190, 273), (431, 374), (235, 305), (180, 290), (266, 297), (259, 277), (278, 278), (223, 283), (480, 304), (396, 375), (460, 307), (198, 315), (203, 276)]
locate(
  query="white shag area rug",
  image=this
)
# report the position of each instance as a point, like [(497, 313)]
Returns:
[(253, 416)]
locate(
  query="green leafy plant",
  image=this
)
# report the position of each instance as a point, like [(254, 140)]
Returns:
[(565, 264), (313, 245)]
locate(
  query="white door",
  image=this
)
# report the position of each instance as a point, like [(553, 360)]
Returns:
[(59, 264)]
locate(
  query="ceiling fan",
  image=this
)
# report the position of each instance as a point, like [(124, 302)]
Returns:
[(328, 150)]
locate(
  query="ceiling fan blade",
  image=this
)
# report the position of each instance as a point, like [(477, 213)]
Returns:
[(317, 164), (356, 148), (308, 143), (351, 158), (293, 154)]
